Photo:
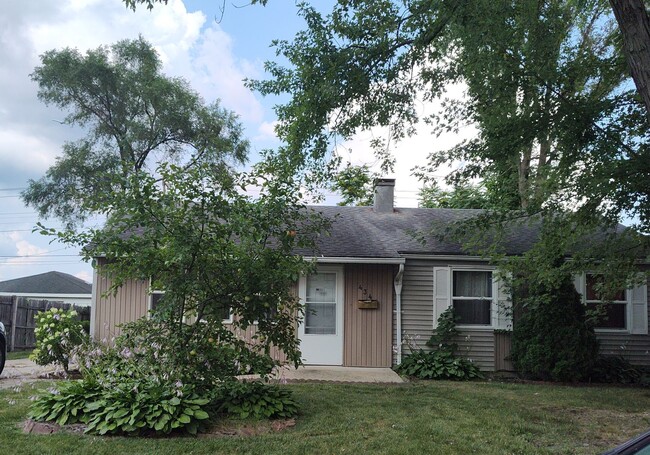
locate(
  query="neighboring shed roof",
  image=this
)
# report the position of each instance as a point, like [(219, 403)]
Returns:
[(47, 283)]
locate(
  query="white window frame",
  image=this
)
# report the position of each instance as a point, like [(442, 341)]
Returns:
[(153, 291), (627, 302), (493, 300)]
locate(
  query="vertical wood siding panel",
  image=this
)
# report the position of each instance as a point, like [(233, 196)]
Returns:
[(367, 333)]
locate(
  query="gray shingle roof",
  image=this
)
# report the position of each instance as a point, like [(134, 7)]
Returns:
[(47, 283), (362, 232)]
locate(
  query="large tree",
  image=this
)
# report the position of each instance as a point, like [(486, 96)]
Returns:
[(561, 131), (634, 23), (134, 115)]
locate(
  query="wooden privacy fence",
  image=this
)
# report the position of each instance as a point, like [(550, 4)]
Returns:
[(17, 314)]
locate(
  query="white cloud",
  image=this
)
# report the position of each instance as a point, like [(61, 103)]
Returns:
[(409, 152), (24, 248), (266, 130), (84, 275), (217, 73)]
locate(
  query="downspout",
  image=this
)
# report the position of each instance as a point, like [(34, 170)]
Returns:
[(398, 312), (93, 299)]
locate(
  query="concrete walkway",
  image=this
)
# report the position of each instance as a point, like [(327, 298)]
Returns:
[(21, 371), (18, 372), (339, 374)]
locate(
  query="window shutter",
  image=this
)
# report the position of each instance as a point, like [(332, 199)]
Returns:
[(502, 315), (441, 292), (579, 283), (639, 313)]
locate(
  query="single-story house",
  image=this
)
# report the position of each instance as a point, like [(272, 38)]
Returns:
[(57, 286), (378, 287)]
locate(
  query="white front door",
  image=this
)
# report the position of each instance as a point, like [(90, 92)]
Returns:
[(321, 332)]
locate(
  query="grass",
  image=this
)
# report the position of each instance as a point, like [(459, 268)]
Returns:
[(15, 355), (423, 417)]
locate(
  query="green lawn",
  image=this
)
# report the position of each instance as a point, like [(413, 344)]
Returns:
[(15, 355), (431, 417)]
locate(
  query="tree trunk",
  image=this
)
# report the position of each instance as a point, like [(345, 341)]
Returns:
[(634, 23)]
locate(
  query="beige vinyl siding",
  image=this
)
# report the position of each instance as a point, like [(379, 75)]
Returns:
[(417, 314), (367, 335), (131, 302), (635, 348)]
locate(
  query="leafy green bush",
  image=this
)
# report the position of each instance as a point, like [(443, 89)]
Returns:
[(142, 384), (58, 334), (150, 348), (131, 407), (442, 362), (256, 399), (552, 340), (615, 370), (65, 403)]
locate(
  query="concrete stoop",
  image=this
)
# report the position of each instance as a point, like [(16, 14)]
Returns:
[(338, 374)]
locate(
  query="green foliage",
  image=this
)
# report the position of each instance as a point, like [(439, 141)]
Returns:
[(66, 403), (154, 350), (461, 196), (355, 184), (552, 340), (129, 407), (557, 121), (256, 399), (210, 246), (544, 81), (441, 362), (134, 115), (445, 333), (615, 370), (147, 382), (58, 335)]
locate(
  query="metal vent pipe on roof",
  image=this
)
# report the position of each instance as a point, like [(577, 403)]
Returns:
[(384, 195)]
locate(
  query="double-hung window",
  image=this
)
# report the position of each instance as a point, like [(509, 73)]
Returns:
[(624, 311), (613, 310), (472, 296)]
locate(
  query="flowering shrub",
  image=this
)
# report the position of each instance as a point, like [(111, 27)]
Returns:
[(201, 357), (58, 334), (151, 381)]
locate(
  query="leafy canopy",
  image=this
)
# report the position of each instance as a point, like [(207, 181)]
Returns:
[(210, 248), (134, 116)]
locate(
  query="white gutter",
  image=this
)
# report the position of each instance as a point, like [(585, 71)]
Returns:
[(356, 260), (446, 257), (398, 312)]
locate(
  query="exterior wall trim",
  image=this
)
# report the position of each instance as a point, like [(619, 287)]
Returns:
[(356, 260)]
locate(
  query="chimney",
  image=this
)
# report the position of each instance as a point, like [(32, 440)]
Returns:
[(384, 195)]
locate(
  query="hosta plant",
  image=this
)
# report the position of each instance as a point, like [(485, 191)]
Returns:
[(130, 408), (256, 399)]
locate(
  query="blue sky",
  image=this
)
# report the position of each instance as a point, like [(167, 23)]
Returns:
[(214, 56)]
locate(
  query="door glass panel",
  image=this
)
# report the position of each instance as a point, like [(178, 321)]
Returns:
[(320, 311)]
